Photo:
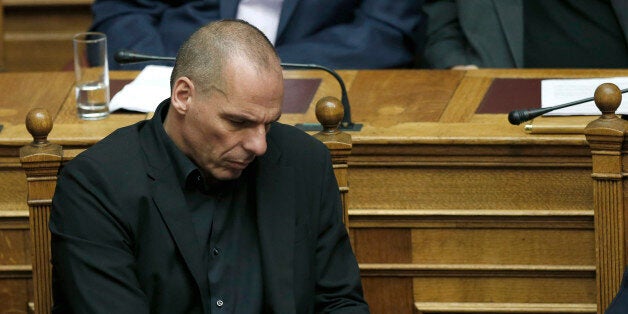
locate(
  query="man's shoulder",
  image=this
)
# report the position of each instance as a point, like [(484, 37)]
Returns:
[(120, 144), (290, 139)]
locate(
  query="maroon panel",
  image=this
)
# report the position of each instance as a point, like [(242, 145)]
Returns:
[(507, 94), (298, 94)]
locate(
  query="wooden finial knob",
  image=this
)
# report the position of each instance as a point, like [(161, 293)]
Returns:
[(329, 112), (39, 125), (607, 98)]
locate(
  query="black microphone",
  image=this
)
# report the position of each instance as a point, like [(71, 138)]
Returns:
[(126, 57), (515, 117)]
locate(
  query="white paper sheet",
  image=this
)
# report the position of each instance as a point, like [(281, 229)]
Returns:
[(560, 91), (144, 93)]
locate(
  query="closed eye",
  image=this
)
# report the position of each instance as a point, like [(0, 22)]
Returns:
[(239, 122)]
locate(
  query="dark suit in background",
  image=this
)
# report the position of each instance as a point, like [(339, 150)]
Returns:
[(334, 33), (486, 33)]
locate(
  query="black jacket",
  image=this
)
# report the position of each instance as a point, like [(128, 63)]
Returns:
[(123, 240)]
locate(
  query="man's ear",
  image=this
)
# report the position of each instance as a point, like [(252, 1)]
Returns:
[(182, 94)]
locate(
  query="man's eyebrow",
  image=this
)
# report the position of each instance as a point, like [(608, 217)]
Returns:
[(245, 116), (239, 115)]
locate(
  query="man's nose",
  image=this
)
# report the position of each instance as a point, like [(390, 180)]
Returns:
[(256, 141)]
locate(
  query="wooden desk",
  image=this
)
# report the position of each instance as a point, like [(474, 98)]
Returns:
[(37, 34), (449, 210)]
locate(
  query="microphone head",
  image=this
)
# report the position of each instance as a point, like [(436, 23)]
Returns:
[(515, 117), (123, 57)]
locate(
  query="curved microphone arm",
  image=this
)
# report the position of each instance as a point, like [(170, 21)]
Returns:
[(515, 117), (346, 119), (125, 57)]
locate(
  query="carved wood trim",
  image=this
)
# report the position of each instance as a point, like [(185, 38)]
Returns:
[(41, 161), (416, 218), (486, 308), (14, 220), (475, 270), (2, 35), (15, 271), (329, 112), (33, 3), (607, 140), (466, 163)]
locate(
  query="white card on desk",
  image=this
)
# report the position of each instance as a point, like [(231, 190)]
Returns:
[(144, 93), (559, 91)]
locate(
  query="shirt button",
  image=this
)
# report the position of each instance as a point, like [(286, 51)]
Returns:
[(219, 303), (215, 252)]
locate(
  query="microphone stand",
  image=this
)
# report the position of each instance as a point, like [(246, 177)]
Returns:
[(515, 117), (126, 57)]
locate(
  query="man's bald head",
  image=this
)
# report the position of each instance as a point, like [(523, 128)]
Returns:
[(203, 57)]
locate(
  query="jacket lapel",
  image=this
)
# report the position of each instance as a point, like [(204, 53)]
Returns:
[(287, 9), (170, 202), (276, 224), (510, 14), (621, 11)]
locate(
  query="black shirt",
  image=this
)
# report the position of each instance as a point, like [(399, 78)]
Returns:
[(572, 34), (225, 224)]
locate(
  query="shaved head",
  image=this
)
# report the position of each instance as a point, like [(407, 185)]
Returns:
[(227, 90), (203, 57)]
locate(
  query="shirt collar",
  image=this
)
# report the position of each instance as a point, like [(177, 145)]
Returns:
[(188, 175)]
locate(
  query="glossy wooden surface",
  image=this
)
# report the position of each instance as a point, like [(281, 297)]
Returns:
[(449, 210), (38, 34), (1, 36)]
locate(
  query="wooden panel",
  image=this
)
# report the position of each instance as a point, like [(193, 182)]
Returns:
[(495, 308), (14, 247), (382, 245), (47, 2), (388, 295), (503, 246), (39, 38), (15, 269), (470, 188), (1, 35), (405, 96), (505, 289), (14, 295), (482, 266), (13, 187)]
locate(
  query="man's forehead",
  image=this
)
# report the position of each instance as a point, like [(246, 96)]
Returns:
[(251, 111)]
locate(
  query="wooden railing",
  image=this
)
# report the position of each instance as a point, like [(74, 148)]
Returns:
[(607, 138)]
